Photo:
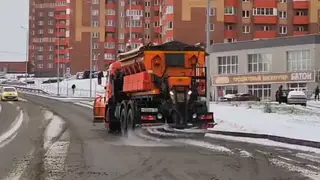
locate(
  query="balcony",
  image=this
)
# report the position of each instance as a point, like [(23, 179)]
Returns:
[(60, 8), (60, 34), (231, 3), (265, 4), (61, 26), (300, 33), (62, 51), (301, 4), (300, 19), (265, 19), (62, 42), (61, 60), (232, 18), (158, 29), (110, 39), (60, 16), (110, 29), (230, 33), (265, 34), (111, 6)]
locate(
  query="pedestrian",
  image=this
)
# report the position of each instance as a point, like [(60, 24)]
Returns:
[(316, 93), (73, 87), (280, 94)]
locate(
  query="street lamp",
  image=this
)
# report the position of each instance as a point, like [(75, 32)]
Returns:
[(27, 48), (207, 50)]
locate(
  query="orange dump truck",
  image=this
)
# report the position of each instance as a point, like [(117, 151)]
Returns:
[(156, 84)]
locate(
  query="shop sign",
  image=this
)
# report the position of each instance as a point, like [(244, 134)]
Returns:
[(265, 78)]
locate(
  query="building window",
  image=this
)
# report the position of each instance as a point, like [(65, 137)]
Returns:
[(230, 40), (246, 14), (110, 12), (297, 86), (265, 28), (95, 34), (40, 57), (259, 62), (299, 60), (109, 56), (147, 14), (95, 24), (50, 14), (40, 66), (228, 89), (95, 45), (212, 11), (265, 11), (246, 29), (170, 25), (283, 1), (109, 45), (283, 30), (262, 91), (50, 65), (228, 65), (122, 3), (95, 12), (95, 1), (147, 25), (147, 3), (211, 27), (50, 31), (121, 36), (169, 10), (110, 23), (230, 10), (282, 14)]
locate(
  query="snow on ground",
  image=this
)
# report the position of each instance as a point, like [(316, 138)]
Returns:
[(284, 120), (82, 86)]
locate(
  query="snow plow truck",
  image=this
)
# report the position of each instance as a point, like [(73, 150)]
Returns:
[(156, 84)]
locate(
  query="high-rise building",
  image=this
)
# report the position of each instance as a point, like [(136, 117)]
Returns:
[(239, 20), (69, 31)]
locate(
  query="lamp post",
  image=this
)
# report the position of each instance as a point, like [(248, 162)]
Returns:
[(27, 49), (58, 58), (207, 50)]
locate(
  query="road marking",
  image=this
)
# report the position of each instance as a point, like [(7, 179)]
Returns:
[(13, 128), (22, 99), (7, 141), (20, 168), (291, 167)]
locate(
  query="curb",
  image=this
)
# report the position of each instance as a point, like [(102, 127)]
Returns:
[(308, 143)]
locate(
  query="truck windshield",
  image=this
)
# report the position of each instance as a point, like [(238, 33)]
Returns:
[(9, 90)]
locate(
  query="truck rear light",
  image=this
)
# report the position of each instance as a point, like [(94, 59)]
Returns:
[(148, 117), (206, 117)]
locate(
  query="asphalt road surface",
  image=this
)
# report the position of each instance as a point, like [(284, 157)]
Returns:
[(85, 152)]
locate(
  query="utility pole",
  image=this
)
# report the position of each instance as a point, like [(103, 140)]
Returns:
[(130, 23), (58, 58), (91, 53), (27, 49), (207, 50)]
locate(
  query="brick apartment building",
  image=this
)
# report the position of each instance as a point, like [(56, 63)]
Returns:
[(66, 25)]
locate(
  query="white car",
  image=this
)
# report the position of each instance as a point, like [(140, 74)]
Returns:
[(297, 97)]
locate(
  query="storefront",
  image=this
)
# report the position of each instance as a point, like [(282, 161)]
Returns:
[(263, 85)]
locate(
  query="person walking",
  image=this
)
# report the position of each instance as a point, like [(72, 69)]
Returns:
[(280, 94), (73, 87), (316, 93)]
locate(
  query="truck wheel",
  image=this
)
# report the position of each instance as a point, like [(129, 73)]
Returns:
[(123, 122), (130, 120)]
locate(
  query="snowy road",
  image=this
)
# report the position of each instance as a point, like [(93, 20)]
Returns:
[(67, 146)]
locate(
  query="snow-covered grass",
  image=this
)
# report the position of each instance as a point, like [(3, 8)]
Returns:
[(284, 120), (82, 87)]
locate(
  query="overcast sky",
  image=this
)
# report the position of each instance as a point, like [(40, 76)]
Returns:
[(13, 14)]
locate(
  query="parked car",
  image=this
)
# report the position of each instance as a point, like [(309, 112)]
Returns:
[(245, 97), (227, 97), (283, 96), (14, 82), (297, 97)]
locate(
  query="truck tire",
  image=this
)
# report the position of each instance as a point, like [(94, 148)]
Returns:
[(123, 122), (130, 120), (113, 126)]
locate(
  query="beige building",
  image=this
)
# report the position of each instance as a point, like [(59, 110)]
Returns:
[(259, 67)]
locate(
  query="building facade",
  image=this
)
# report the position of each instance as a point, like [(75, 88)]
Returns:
[(259, 67), (72, 32)]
